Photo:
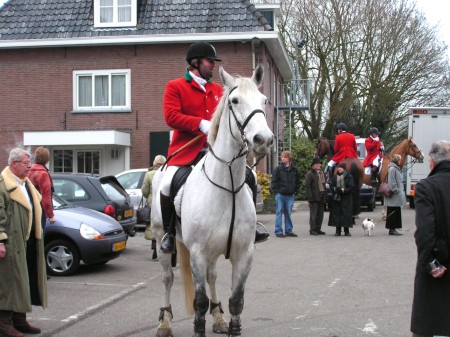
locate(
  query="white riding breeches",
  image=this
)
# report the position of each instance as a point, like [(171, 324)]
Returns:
[(167, 180), (376, 161), (331, 163)]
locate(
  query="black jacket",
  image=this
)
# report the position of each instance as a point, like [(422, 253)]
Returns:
[(285, 180), (431, 303)]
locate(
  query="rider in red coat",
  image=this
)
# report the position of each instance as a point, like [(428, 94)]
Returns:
[(344, 147), (188, 104), (374, 148)]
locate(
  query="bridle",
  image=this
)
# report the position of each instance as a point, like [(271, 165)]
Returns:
[(243, 151)]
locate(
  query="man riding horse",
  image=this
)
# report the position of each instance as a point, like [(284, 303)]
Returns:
[(189, 103), (344, 147), (374, 153)]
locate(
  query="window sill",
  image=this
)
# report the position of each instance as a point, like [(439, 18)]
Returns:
[(100, 111)]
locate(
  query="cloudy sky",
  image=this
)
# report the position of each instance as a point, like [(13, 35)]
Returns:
[(436, 11)]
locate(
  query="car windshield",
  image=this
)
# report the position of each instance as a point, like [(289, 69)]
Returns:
[(113, 191), (59, 203), (129, 180)]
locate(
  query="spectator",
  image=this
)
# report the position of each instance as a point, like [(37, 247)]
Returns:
[(316, 195), (147, 193), (431, 303), (23, 278), (341, 211), (285, 184), (397, 200), (41, 179)]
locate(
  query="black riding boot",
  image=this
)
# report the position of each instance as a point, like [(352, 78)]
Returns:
[(374, 174), (251, 182), (167, 212)]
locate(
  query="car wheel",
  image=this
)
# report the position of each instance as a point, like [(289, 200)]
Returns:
[(62, 257), (370, 206)]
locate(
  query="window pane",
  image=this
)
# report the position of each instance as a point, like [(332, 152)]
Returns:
[(106, 14), (118, 90), (124, 3), (62, 161), (101, 91), (106, 3), (124, 14), (84, 91), (88, 162)]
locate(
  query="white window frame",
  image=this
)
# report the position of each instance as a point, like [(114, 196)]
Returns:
[(109, 108), (115, 22)]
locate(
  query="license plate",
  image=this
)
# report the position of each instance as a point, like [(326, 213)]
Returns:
[(128, 213), (118, 246)]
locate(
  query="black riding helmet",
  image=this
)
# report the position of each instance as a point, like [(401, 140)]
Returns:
[(341, 126), (373, 130), (200, 50)]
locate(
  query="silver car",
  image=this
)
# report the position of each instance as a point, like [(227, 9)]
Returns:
[(80, 234)]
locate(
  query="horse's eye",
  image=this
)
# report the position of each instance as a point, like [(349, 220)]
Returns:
[(235, 100), (266, 101)]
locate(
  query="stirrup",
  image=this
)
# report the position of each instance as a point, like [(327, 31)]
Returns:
[(168, 238), (263, 235)]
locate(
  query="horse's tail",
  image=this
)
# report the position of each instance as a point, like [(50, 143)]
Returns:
[(357, 181), (186, 276)]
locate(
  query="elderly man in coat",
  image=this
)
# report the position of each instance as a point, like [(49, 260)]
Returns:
[(431, 304), (23, 278)]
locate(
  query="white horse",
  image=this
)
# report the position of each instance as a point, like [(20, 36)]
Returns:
[(217, 211)]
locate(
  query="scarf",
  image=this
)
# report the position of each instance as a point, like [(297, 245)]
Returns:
[(340, 183), (321, 181)]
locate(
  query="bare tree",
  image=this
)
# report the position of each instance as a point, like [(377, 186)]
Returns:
[(368, 60)]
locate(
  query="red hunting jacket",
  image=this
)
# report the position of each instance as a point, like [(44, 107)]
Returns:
[(344, 147), (185, 104), (373, 149)]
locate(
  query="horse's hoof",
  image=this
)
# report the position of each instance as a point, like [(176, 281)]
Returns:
[(164, 332), (221, 327), (199, 334)]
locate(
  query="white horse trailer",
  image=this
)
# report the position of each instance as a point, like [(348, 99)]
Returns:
[(426, 125)]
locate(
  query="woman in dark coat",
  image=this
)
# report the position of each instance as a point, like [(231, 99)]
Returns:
[(341, 212), (431, 303)]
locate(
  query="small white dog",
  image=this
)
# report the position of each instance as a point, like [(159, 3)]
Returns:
[(368, 225)]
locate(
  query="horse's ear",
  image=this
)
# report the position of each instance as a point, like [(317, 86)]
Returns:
[(258, 75), (227, 79)]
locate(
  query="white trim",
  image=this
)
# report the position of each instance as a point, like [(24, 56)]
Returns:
[(271, 38), (115, 23), (60, 138), (105, 72)]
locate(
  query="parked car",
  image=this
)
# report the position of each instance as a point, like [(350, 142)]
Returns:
[(102, 194), (80, 234), (132, 181), (367, 196)]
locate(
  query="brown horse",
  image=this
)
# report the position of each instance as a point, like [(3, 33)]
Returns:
[(406, 147)]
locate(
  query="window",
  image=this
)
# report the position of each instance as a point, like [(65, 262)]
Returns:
[(102, 91), (88, 162), (84, 161), (62, 161), (70, 190), (115, 13)]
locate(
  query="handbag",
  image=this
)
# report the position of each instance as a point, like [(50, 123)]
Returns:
[(384, 189), (143, 212)]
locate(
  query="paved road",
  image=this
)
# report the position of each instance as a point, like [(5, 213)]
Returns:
[(310, 286)]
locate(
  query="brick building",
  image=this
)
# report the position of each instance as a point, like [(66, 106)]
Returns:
[(86, 79)]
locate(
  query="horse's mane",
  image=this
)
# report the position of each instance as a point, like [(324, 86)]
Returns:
[(244, 84), (214, 128)]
